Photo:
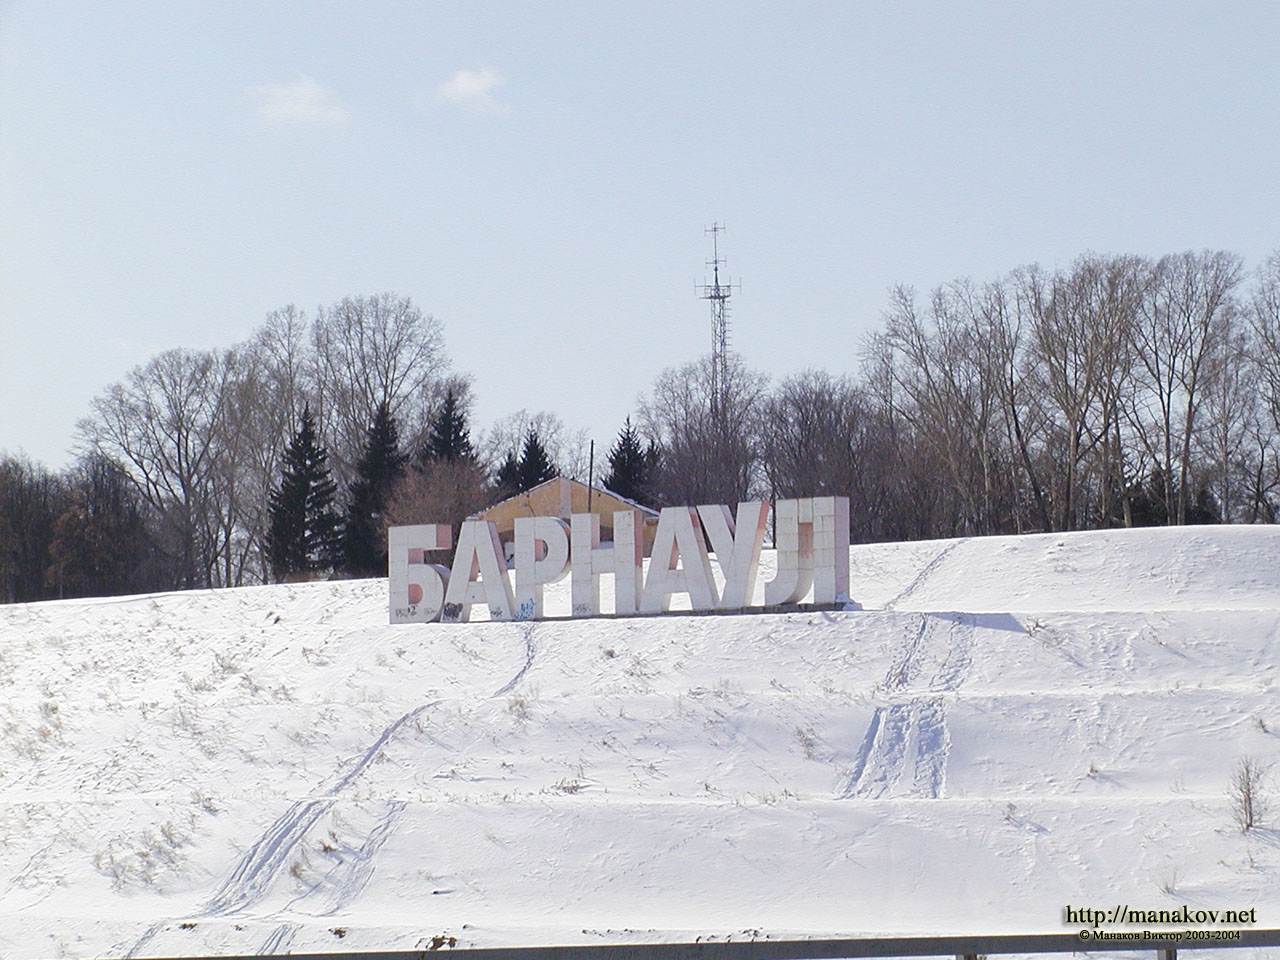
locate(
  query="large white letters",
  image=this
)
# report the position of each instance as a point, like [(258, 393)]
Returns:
[(679, 563), (416, 587), (479, 552), (811, 532), (623, 558), (533, 571), (737, 548), (811, 536), (830, 549)]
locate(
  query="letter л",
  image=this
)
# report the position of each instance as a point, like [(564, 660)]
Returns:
[(812, 537)]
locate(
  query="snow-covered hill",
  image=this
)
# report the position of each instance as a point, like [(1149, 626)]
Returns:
[(1011, 725)]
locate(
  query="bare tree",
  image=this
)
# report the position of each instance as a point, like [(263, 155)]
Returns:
[(165, 423), (1264, 319), (880, 515), (1080, 329), (1245, 791), (1232, 413), (1000, 334), (1264, 431), (952, 397), (1187, 311), (446, 491), (708, 431), (812, 428), (255, 427), (271, 388), (101, 542), (31, 500), (567, 449), (282, 350), (368, 351)]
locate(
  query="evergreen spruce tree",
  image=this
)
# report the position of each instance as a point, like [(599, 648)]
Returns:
[(1204, 508), (449, 439), (303, 532), (535, 466), (381, 465), (506, 482), (631, 465), (653, 463)]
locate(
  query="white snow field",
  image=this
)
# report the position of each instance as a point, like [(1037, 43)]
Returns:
[(1010, 726)]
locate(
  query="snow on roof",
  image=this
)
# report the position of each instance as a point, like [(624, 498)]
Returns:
[(598, 488)]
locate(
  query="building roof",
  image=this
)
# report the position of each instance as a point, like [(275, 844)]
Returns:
[(597, 488)]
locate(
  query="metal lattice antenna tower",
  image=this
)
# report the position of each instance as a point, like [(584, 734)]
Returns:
[(718, 293)]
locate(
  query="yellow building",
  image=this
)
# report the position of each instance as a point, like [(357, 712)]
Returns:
[(562, 497)]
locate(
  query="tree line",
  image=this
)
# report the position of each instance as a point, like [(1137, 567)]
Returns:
[(1116, 391), (284, 456)]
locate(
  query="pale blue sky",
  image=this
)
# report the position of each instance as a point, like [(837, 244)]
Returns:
[(538, 176)]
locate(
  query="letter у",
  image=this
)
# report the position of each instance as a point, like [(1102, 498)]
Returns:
[(479, 553), (679, 563), (415, 588), (624, 558), (737, 548), (532, 571), (812, 537)]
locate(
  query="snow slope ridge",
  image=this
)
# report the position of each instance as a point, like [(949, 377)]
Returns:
[(1011, 725), (1181, 568)]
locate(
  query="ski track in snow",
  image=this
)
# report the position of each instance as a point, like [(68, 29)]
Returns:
[(279, 940), (926, 572), (143, 940), (530, 649), (253, 875), (347, 878), (910, 737)]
